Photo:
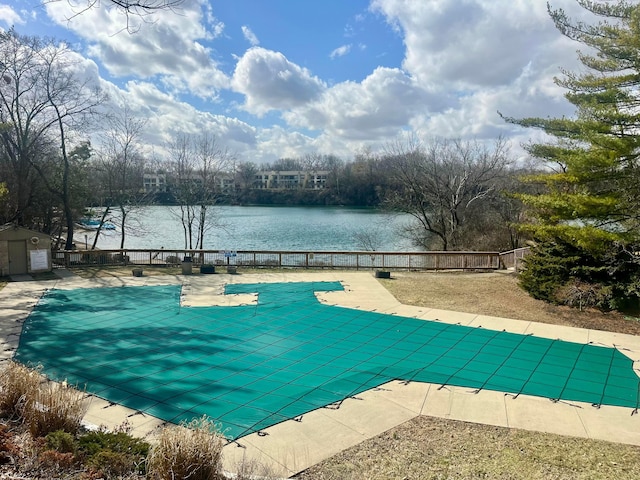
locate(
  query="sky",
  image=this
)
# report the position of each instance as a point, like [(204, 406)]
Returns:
[(285, 78)]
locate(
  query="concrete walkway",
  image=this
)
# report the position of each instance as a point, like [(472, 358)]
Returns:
[(295, 445)]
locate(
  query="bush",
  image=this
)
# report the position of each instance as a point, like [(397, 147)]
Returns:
[(116, 464), (52, 460), (56, 406), (191, 450), (18, 387), (61, 441), (114, 453), (562, 273)]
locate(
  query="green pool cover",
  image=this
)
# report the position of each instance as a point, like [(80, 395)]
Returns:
[(257, 365)]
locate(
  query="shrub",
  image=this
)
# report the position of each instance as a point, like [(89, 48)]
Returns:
[(57, 406), (191, 450), (559, 272), (114, 453), (53, 460), (18, 387), (61, 441), (116, 464)]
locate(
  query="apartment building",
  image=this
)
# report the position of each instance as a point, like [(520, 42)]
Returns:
[(226, 182), (291, 179), (154, 182)]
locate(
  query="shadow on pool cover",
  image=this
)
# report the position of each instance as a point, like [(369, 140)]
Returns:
[(253, 366)]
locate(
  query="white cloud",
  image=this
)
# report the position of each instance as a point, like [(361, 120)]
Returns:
[(470, 42), (9, 16), (166, 117), (169, 47), (482, 56), (340, 51), (277, 142), (271, 82), (381, 105), (250, 36)]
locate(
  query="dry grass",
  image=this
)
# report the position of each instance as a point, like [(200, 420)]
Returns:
[(498, 295), (192, 450), (56, 406), (18, 388), (45, 406), (434, 448)]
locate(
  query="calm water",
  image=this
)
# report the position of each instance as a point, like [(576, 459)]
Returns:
[(267, 228)]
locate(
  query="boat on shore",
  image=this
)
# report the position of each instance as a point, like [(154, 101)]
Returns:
[(93, 224)]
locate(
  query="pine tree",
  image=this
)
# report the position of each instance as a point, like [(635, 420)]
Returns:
[(593, 195), (591, 200)]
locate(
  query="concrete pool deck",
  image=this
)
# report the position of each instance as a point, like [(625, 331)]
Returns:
[(294, 445)]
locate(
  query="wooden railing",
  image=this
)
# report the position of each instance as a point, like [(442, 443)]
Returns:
[(284, 259), (513, 258)]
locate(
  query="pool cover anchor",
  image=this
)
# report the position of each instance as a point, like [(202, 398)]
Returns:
[(381, 389), (137, 412), (334, 405), (558, 400)]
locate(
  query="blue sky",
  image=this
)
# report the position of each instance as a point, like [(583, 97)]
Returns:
[(286, 78)]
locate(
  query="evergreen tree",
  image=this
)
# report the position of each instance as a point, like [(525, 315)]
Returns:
[(591, 199)]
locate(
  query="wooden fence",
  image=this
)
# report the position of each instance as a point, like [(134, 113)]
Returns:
[(284, 259), (513, 258)]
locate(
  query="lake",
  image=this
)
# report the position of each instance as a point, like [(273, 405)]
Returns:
[(266, 228)]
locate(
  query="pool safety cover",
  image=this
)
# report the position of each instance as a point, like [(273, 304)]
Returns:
[(253, 366)]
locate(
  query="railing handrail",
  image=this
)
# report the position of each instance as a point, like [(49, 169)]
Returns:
[(434, 260), (337, 252)]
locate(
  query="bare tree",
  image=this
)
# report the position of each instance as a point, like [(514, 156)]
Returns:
[(245, 179), (182, 187), (135, 8), (122, 167), (198, 164), (211, 160), (42, 101), (438, 184)]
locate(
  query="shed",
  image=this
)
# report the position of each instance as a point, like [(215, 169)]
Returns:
[(23, 250)]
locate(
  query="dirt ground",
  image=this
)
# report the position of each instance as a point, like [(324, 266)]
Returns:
[(434, 448)]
